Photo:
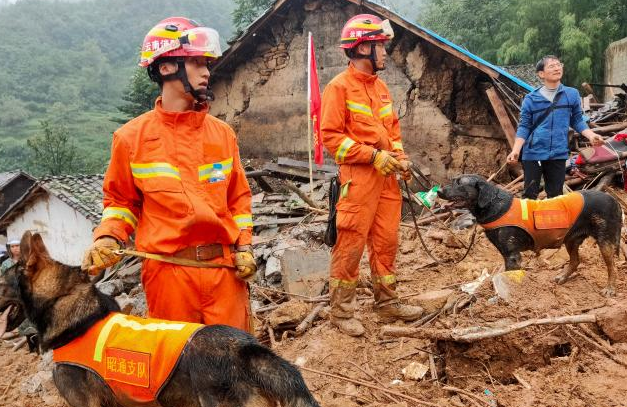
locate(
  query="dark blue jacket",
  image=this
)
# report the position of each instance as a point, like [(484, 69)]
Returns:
[(550, 139)]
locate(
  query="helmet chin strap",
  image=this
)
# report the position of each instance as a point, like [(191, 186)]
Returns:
[(372, 57), (181, 74)]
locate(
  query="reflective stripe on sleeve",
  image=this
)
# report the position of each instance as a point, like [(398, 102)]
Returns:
[(243, 221), (120, 213), (342, 150)]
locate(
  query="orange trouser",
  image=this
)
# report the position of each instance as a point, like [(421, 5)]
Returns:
[(191, 294), (368, 214)]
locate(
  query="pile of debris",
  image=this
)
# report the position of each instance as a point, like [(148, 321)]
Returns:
[(601, 164)]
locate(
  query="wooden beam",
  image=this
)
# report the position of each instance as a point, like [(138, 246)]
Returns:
[(302, 164), (501, 115)]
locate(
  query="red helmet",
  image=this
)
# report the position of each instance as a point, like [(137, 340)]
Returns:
[(365, 27), (179, 36)]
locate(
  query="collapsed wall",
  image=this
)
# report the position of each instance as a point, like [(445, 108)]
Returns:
[(446, 119)]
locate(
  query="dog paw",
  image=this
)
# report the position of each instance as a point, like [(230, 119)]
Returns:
[(608, 292), (561, 278)]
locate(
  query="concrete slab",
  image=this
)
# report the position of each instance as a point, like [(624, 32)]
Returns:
[(305, 271)]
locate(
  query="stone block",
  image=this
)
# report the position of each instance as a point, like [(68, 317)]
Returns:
[(305, 271)]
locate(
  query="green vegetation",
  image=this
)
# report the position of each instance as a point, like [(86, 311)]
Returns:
[(71, 64), (509, 32), (246, 11)]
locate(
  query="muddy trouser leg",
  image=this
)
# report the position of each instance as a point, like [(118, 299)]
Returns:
[(355, 214), (383, 244), (554, 173), (533, 173), (345, 272)]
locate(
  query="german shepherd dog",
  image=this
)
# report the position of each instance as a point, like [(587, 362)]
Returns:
[(600, 218), (219, 366)]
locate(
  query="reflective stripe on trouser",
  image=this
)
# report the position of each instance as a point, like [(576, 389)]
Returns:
[(192, 294), (368, 216)]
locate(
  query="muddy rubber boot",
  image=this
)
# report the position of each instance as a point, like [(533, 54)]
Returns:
[(393, 312), (343, 305), (348, 326)]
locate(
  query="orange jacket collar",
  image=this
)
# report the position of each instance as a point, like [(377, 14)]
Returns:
[(360, 75), (194, 118)]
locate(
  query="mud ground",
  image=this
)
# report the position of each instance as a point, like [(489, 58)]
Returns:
[(538, 366)]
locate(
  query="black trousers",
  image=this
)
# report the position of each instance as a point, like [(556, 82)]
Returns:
[(554, 173)]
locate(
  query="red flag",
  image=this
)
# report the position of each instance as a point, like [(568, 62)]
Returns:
[(313, 93)]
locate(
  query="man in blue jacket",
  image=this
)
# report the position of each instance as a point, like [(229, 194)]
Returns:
[(543, 138)]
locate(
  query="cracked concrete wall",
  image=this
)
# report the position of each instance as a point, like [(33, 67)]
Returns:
[(435, 94)]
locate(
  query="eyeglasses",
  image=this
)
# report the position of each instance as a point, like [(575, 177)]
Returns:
[(556, 65)]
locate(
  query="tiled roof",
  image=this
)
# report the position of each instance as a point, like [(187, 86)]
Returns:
[(526, 72), (6, 177), (81, 192)]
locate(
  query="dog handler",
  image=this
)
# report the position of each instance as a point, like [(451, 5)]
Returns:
[(176, 181), (361, 130)]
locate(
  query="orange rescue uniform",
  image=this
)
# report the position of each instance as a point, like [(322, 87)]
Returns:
[(547, 221), (134, 356), (357, 119), (176, 181)]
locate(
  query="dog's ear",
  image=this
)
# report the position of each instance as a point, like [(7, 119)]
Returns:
[(25, 245), (487, 193), (36, 253)]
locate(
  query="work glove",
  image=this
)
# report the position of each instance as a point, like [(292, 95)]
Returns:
[(245, 263), (402, 159), (385, 163), (101, 255)]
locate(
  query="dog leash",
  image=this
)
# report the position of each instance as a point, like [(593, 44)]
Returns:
[(424, 245), (172, 260)]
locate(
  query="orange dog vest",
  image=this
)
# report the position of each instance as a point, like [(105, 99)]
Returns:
[(547, 221), (135, 356)]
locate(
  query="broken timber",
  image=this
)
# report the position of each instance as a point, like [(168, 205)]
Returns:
[(476, 333), (501, 115)]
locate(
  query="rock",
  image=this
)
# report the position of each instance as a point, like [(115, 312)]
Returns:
[(433, 301), (35, 383), (111, 287), (273, 266), (290, 312), (269, 232), (133, 305), (415, 371), (613, 321)]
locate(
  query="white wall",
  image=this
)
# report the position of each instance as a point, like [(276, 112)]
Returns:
[(615, 67), (66, 233)]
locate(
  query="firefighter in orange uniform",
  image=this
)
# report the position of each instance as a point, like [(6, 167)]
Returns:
[(176, 181), (361, 130)]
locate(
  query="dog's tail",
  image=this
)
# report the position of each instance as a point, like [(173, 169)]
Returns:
[(276, 377)]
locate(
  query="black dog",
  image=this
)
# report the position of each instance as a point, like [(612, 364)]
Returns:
[(219, 365), (600, 218)]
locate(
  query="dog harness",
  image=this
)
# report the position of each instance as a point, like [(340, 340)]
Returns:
[(135, 356), (547, 220)]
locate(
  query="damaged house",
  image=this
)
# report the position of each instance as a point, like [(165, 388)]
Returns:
[(457, 112), (64, 209)]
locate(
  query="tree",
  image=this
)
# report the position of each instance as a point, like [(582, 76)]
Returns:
[(140, 95), (53, 152), (247, 11), (522, 31)]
